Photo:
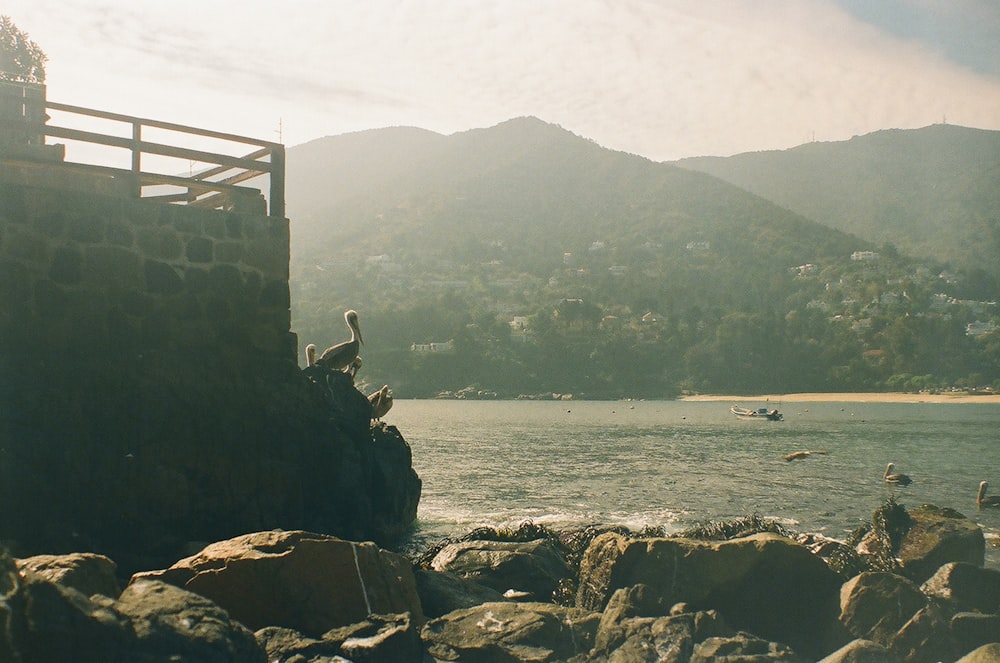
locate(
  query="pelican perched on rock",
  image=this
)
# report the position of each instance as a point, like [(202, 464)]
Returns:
[(340, 356), (354, 367), (381, 402), (310, 355), (982, 501), (895, 477)]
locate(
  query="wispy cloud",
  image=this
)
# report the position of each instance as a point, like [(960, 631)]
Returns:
[(662, 79)]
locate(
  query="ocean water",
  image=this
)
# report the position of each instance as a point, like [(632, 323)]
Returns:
[(679, 463)]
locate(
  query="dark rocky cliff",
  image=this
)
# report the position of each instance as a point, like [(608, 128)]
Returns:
[(149, 394)]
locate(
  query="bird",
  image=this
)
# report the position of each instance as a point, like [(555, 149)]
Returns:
[(802, 454), (340, 356), (381, 402), (310, 355), (895, 477), (354, 367), (992, 501)]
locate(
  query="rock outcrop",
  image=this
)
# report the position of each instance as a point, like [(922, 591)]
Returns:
[(308, 582)]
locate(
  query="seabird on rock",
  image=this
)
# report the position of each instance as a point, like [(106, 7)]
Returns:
[(895, 477), (340, 356), (983, 501), (354, 367), (381, 402), (310, 355)]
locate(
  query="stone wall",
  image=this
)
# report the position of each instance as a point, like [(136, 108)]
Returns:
[(84, 267)]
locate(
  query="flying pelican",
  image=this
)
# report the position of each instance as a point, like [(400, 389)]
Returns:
[(895, 477), (381, 402), (802, 454), (983, 501), (340, 356)]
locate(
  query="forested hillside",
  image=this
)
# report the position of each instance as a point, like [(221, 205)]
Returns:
[(933, 193), (523, 259)]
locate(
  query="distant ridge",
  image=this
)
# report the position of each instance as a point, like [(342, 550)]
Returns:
[(932, 192)]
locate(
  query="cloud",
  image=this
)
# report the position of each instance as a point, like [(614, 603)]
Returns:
[(664, 80)]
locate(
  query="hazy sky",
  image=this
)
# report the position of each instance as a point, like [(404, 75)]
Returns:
[(661, 78)]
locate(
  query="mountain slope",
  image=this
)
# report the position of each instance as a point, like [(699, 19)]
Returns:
[(530, 186), (931, 192)]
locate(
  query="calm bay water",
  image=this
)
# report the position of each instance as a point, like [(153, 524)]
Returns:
[(679, 463)]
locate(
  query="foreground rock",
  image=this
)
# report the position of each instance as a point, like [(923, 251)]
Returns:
[(765, 583), (307, 582)]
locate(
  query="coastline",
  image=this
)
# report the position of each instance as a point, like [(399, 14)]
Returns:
[(850, 397)]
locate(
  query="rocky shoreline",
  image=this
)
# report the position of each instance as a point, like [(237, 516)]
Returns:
[(909, 587)]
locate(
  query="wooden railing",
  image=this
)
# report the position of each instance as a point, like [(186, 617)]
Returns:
[(25, 120)]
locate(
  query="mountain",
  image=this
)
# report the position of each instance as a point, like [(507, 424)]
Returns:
[(932, 192), (532, 187), (522, 258)]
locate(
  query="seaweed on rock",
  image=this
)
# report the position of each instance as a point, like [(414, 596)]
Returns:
[(724, 530)]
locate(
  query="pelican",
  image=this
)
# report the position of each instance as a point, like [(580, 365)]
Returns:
[(354, 367), (381, 402), (340, 356), (982, 500), (310, 355), (895, 477), (802, 454)]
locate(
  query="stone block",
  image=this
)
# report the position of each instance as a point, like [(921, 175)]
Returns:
[(200, 249), (111, 266), (87, 229), (67, 265), (162, 243), (162, 278)]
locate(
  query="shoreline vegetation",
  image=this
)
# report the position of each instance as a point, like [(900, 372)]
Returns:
[(848, 397)]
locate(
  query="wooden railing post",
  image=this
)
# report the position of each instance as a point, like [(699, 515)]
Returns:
[(136, 158), (277, 207)]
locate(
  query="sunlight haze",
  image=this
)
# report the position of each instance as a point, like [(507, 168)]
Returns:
[(664, 79)]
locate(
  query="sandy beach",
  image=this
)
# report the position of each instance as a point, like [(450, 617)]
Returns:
[(887, 397)]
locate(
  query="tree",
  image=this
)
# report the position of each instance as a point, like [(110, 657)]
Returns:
[(21, 60)]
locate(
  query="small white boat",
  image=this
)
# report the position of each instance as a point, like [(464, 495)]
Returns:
[(762, 413)]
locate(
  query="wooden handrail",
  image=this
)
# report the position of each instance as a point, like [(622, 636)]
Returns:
[(214, 187)]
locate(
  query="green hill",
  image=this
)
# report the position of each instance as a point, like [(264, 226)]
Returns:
[(931, 192), (540, 262)]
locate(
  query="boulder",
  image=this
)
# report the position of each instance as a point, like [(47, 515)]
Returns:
[(308, 582), (743, 647), (960, 586), (633, 626), (507, 632), (986, 654), (925, 638), (936, 537), (535, 567), (45, 622), (48, 622), (875, 605), (284, 645), (87, 573), (379, 638), (972, 629), (861, 651), (442, 592), (172, 624), (764, 583)]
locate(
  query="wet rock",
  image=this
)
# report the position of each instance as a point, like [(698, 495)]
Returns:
[(87, 573), (506, 632), (535, 567), (442, 592), (936, 537), (286, 645), (765, 583), (300, 580), (925, 638)]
